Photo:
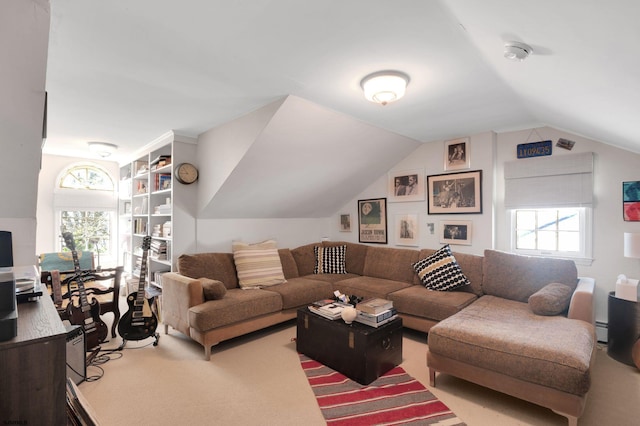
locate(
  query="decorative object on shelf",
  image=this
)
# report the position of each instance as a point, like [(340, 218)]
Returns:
[(407, 233), (384, 86), (406, 185), (103, 149), (455, 193), (457, 154), (186, 173), (455, 232), (349, 314), (631, 201), (372, 221), (517, 51)]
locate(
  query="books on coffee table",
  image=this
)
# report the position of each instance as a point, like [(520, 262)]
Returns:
[(331, 310), (376, 320), (374, 305)]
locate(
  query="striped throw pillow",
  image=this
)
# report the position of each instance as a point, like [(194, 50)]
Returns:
[(258, 265), (441, 271), (330, 260)]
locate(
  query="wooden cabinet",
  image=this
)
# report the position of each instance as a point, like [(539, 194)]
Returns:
[(154, 203), (33, 368)]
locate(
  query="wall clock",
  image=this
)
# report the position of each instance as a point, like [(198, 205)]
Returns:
[(186, 173)]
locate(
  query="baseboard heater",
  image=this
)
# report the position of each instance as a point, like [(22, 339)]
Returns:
[(602, 332)]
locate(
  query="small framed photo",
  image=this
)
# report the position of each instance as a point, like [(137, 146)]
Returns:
[(631, 201), (455, 232), (407, 229), (345, 223), (457, 154), (372, 221), (455, 193), (406, 185)]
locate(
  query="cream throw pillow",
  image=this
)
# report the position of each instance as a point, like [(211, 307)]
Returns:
[(258, 265)]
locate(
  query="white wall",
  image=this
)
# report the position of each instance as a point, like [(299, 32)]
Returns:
[(430, 158)]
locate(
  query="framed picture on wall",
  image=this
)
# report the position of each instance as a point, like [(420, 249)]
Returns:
[(457, 154), (455, 193), (345, 223), (406, 185), (631, 201), (372, 221), (455, 232), (406, 229)]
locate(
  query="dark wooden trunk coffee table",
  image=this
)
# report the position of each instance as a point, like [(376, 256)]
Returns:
[(358, 351)]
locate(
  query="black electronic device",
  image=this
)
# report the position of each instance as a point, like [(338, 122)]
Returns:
[(6, 249)]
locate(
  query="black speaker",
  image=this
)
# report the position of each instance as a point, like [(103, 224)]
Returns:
[(6, 249), (76, 353)]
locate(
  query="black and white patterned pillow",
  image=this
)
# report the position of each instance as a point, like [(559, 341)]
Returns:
[(330, 260), (441, 271)]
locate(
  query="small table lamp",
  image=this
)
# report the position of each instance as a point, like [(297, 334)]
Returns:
[(632, 245)]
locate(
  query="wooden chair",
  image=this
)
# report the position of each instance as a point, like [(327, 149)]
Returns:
[(103, 285)]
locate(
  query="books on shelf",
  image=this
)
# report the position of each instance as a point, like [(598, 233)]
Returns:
[(376, 320), (331, 310), (374, 305), (160, 161)]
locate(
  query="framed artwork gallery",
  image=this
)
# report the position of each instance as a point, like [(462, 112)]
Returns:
[(345, 222), (455, 193), (457, 154), (631, 201), (406, 229), (372, 221), (455, 232), (406, 185)]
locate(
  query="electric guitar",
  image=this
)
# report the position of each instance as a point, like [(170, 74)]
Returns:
[(86, 314), (139, 322)]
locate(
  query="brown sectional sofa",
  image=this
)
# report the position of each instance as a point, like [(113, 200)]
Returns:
[(484, 332)]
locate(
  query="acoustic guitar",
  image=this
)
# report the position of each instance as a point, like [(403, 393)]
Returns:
[(139, 322), (85, 314)]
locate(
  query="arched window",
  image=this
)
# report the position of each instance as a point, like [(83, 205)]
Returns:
[(86, 176), (85, 203)]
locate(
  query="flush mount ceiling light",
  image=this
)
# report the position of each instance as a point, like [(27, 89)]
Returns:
[(103, 149), (384, 86), (516, 51)]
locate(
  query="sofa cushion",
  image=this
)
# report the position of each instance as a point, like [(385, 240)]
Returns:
[(369, 286), (390, 263), (212, 289), (516, 277), (331, 278), (436, 305), (215, 266), (505, 336), (441, 271), (552, 299), (305, 258), (289, 267), (258, 265), (237, 305), (356, 255), (330, 260), (302, 291)]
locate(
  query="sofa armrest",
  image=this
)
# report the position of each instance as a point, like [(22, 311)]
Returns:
[(582, 302), (179, 293)]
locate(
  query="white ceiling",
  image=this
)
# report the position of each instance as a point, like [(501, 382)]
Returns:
[(125, 71)]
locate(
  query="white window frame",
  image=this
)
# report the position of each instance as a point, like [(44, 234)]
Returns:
[(582, 257)]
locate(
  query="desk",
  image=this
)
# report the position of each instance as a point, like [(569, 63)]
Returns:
[(33, 368), (624, 328)]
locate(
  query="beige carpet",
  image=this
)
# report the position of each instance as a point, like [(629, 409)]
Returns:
[(257, 380)]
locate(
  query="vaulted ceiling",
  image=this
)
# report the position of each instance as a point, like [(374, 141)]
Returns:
[(125, 72)]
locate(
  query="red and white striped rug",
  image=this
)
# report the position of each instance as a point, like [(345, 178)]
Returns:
[(393, 399)]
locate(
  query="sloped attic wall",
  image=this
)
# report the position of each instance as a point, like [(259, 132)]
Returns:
[(291, 159)]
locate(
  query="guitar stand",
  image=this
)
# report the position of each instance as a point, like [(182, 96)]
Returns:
[(156, 338)]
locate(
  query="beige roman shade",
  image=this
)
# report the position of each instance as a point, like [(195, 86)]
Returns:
[(554, 181)]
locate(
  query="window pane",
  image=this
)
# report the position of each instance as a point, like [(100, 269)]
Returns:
[(547, 240), (91, 229), (568, 241), (547, 219), (526, 219), (569, 220), (526, 240), (87, 177)]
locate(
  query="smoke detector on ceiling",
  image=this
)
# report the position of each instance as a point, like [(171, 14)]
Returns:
[(516, 51)]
